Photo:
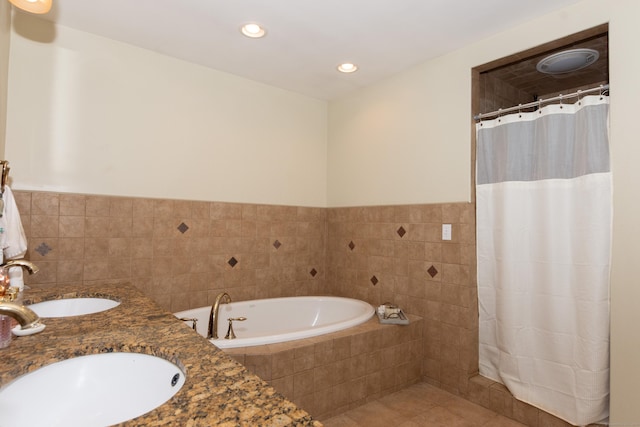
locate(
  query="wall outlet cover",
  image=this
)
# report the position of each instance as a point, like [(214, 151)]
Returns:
[(446, 231)]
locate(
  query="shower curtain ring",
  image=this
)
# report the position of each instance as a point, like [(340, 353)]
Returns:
[(602, 91)]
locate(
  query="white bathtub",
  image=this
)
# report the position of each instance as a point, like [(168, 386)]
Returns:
[(281, 319)]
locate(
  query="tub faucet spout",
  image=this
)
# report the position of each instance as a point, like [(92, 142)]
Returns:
[(222, 298)]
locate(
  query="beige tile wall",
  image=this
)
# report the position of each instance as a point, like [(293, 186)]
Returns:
[(77, 238), (402, 247)]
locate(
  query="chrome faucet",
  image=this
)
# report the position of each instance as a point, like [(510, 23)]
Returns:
[(25, 316), (222, 298)]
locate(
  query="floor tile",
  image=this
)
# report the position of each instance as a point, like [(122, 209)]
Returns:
[(501, 421), (375, 414), (421, 405), (340, 421)]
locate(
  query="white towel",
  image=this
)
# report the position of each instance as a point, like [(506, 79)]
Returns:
[(13, 241)]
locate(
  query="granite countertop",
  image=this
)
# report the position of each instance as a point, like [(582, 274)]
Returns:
[(218, 391)]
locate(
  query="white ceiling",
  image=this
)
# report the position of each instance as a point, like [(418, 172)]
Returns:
[(306, 39)]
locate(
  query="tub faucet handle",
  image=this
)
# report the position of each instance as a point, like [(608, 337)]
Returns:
[(193, 321), (230, 334)]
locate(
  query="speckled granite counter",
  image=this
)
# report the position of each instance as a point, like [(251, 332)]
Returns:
[(218, 391)]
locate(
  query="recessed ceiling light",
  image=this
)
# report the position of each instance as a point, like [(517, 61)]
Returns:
[(567, 61), (347, 67), (252, 30)]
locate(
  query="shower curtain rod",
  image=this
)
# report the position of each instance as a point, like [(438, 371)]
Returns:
[(539, 102)]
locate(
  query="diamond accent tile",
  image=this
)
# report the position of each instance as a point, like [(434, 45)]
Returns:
[(352, 245), (401, 231), (277, 244), (232, 262), (313, 272), (374, 280), (43, 249), (432, 271), (183, 227)]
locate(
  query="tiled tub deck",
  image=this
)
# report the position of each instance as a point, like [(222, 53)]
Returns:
[(333, 373)]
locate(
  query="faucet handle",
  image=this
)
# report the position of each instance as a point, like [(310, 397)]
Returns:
[(193, 321), (230, 334)]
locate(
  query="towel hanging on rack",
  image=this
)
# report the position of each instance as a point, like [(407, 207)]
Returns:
[(13, 241), (4, 176)]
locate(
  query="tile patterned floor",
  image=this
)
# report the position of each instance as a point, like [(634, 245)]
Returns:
[(420, 405)]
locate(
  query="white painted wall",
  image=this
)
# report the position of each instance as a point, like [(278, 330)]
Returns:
[(88, 114), (407, 140), (625, 289), (404, 140)]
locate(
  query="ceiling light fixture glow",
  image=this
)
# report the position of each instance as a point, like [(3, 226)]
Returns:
[(253, 31), (33, 6), (347, 67)]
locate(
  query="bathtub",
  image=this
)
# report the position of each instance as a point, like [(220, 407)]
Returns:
[(280, 319)]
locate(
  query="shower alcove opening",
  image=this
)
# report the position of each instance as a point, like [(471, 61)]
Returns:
[(508, 82)]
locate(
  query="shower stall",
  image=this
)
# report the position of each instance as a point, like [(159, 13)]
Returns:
[(544, 216)]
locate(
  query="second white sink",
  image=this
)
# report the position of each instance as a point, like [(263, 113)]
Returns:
[(68, 307)]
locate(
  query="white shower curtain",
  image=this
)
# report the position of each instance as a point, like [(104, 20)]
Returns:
[(544, 219)]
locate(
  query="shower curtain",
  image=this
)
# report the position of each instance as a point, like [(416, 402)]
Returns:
[(544, 219)]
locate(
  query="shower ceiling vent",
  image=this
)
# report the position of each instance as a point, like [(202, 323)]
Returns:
[(568, 61)]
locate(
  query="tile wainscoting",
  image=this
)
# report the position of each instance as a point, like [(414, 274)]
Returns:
[(180, 253)]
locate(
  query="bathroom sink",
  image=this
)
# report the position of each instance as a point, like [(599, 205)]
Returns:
[(97, 390), (68, 307)]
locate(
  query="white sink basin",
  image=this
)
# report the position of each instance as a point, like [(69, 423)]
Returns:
[(68, 307), (94, 390)]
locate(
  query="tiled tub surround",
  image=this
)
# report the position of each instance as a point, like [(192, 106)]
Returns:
[(180, 253), (396, 254), (332, 373), (183, 253), (217, 390)]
